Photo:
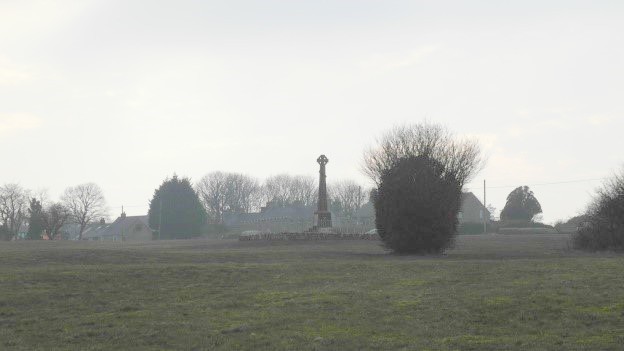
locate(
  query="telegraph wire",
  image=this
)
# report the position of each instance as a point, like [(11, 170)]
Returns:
[(480, 187), (539, 184)]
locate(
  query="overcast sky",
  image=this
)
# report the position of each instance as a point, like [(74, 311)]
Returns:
[(125, 93)]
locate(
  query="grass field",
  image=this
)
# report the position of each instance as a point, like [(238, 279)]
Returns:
[(491, 292)]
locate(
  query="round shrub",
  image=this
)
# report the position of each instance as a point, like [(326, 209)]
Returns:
[(419, 171), (416, 206)]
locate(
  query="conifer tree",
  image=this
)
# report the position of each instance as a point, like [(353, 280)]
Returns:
[(175, 210), (521, 205), (35, 220)]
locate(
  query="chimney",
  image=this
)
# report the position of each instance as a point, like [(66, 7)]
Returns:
[(102, 221)]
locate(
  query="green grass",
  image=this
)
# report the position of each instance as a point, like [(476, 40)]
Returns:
[(491, 292)]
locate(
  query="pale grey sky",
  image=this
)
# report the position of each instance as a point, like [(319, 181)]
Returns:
[(125, 93)]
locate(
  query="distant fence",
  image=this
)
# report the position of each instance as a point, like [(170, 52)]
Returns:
[(251, 236), (342, 225)]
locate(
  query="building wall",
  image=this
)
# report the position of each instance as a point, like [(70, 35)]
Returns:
[(139, 236), (135, 230), (138, 232), (472, 210)]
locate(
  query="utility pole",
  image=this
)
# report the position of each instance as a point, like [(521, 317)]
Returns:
[(484, 209)]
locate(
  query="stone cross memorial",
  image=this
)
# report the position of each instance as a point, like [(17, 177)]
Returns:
[(322, 217)]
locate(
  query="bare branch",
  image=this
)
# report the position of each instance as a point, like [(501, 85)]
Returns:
[(350, 195), (13, 208), (222, 192), (460, 158), (54, 217), (85, 203), (284, 189)]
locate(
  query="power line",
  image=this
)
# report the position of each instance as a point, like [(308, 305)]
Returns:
[(539, 184)]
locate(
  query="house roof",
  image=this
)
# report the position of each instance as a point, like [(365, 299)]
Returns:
[(120, 225), (467, 199), (470, 199), (292, 211)]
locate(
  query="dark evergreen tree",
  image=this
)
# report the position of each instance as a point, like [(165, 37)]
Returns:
[(182, 213), (36, 220), (372, 195), (5, 233), (521, 205), (416, 206)]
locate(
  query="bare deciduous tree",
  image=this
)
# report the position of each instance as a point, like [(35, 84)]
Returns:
[(211, 189), (276, 189), (222, 192), (54, 217), (244, 193), (460, 158), (42, 195), (85, 203), (284, 189), (349, 194), (13, 208)]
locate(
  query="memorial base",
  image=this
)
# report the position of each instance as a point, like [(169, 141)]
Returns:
[(322, 219)]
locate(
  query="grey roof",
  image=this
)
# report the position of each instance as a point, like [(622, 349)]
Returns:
[(288, 212), (119, 226), (470, 199), (467, 199)]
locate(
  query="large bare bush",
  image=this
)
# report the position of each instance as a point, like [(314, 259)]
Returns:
[(420, 170), (460, 159), (603, 228)]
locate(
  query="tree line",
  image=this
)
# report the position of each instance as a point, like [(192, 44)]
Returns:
[(218, 193), (21, 208), (180, 209), (224, 192), (419, 172)]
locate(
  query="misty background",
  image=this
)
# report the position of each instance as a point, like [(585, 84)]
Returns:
[(124, 94)]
